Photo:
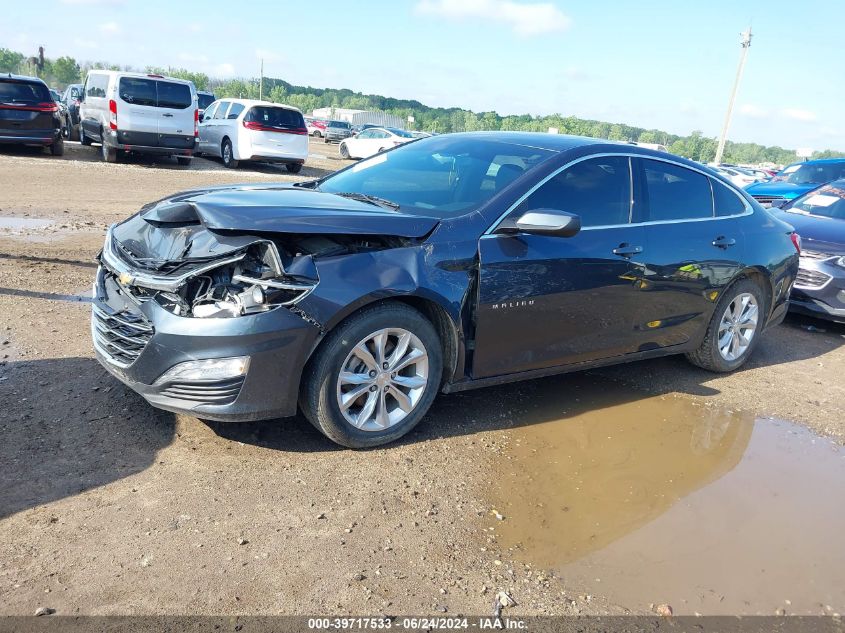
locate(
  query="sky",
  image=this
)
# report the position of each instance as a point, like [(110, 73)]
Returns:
[(665, 64)]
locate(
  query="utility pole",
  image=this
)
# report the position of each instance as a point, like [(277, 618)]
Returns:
[(261, 82), (745, 42)]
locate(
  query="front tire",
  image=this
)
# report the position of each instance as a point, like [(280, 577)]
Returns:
[(344, 151), (228, 155), (734, 329), (374, 377)]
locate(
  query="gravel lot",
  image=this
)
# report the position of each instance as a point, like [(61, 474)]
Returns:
[(108, 506)]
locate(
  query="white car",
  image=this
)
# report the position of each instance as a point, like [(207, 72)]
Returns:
[(738, 177), (372, 141), (246, 129), (141, 113)]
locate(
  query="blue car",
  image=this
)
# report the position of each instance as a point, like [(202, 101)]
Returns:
[(797, 179), (819, 217), (446, 263)]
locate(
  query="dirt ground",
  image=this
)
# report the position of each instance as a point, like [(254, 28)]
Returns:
[(108, 506)]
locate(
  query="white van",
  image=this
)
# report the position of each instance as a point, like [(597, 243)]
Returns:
[(142, 113), (246, 129)]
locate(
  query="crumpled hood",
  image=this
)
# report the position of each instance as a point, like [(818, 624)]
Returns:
[(780, 188), (285, 209)]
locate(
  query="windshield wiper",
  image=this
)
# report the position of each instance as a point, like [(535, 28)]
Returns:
[(366, 197)]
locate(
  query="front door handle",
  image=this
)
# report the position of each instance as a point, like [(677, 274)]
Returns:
[(626, 250), (723, 242)]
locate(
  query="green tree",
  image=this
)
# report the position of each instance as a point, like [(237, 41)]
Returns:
[(10, 61), (65, 71)]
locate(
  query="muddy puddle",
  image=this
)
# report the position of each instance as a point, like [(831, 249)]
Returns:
[(650, 500)]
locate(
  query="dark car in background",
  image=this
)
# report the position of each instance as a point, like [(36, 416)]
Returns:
[(64, 115), (819, 216), (29, 115), (453, 262), (204, 99), (797, 180), (71, 97), (336, 131)]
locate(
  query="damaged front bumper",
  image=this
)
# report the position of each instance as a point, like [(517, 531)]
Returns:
[(140, 342)]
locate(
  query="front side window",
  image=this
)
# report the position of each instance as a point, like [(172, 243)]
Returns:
[(597, 189), (672, 192), (366, 134), (208, 114), (96, 86)]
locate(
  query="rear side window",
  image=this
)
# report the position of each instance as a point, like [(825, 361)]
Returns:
[(725, 201), (27, 92), (158, 94), (96, 85), (673, 192), (597, 189), (172, 95), (275, 117), (235, 111)]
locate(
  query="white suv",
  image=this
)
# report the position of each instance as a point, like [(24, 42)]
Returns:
[(143, 113), (245, 129)]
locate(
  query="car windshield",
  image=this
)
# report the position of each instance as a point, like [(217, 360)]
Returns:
[(439, 176), (203, 100), (342, 124), (24, 92), (816, 173), (827, 201)]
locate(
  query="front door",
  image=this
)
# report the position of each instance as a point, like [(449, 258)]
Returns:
[(546, 301)]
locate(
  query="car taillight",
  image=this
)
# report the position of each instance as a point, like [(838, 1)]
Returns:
[(44, 106), (796, 241), (112, 114), (196, 122)]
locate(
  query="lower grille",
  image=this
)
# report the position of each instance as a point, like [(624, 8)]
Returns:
[(811, 278), (767, 200), (120, 337), (219, 392)]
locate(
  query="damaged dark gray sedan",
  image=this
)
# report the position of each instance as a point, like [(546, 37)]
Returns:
[(451, 262)]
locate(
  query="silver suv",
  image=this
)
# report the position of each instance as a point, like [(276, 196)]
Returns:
[(336, 131)]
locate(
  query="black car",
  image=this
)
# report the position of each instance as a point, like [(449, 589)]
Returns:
[(819, 216), (28, 114), (204, 99), (451, 262), (64, 115), (71, 98)]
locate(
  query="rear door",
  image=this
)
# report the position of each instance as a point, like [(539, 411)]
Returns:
[(276, 130), (27, 110), (694, 249), (205, 129), (137, 114), (177, 108)]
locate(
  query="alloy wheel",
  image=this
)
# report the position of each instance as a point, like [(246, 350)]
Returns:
[(738, 326), (382, 379)]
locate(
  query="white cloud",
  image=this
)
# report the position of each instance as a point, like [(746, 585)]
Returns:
[(525, 18), (752, 111), (799, 115), (575, 73), (224, 70), (110, 28), (193, 58)]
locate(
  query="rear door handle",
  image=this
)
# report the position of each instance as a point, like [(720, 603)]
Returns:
[(626, 250), (167, 114), (723, 242)]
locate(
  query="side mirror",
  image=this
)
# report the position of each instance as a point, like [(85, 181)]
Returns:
[(543, 222)]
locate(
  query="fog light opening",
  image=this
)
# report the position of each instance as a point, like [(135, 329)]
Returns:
[(206, 370)]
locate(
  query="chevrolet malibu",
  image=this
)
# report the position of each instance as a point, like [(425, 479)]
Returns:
[(447, 263)]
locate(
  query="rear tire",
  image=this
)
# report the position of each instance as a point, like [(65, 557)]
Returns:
[(293, 168), (323, 383), (58, 148), (714, 354), (228, 154), (185, 161)]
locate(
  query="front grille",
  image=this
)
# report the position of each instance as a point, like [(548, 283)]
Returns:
[(811, 278), (219, 392), (767, 200), (120, 336), (814, 254)]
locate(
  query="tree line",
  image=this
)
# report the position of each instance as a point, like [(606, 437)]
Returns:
[(66, 70)]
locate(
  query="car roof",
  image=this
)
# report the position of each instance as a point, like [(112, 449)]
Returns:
[(820, 161), (256, 102), (21, 78), (123, 73), (543, 140)]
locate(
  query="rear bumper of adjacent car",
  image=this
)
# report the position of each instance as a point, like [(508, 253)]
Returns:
[(151, 143), (30, 137), (140, 343)]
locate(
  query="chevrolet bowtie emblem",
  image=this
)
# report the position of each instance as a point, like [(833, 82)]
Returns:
[(125, 279)]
